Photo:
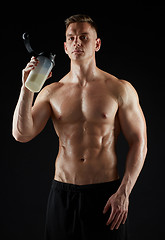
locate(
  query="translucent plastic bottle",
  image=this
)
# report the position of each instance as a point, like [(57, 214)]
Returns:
[(39, 74)]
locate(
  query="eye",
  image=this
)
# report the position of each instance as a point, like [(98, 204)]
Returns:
[(70, 38), (83, 37)]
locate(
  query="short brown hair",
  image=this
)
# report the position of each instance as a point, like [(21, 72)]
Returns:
[(80, 18)]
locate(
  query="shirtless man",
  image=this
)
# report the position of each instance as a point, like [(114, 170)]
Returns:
[(88, 108)]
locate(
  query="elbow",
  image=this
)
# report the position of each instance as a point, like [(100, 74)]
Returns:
[(20, 138), (141, 145), (145, 149)]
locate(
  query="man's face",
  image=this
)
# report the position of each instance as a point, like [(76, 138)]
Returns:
[(81, 41)]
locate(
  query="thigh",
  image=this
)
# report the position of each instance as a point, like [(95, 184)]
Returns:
[(61, 218), (93, 221)]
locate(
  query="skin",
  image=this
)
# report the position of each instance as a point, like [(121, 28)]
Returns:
[(88, 108)]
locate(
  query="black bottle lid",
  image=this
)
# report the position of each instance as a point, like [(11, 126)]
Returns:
[(49, 55)]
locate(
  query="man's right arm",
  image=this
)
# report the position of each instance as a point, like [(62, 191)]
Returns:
[(22, 119), (28, 121)]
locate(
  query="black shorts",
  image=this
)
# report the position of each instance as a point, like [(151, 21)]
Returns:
[(75, 212)]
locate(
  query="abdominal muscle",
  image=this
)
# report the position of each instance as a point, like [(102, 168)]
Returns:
[(86, 154)]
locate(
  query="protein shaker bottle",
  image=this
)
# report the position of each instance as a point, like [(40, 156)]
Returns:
[(39, 74)]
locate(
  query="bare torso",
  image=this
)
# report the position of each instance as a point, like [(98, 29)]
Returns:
[(85, 119)]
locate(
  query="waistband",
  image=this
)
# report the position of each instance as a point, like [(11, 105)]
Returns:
[(89, 187)]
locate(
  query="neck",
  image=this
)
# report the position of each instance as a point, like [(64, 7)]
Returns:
[(83, 72)]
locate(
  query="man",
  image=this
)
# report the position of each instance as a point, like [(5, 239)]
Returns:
[(88, 108)]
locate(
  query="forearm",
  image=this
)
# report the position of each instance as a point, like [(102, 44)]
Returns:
[(22, 119), (134, 163)]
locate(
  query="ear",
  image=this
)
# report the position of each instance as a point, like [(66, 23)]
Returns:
[(98, 44), (65, 48)]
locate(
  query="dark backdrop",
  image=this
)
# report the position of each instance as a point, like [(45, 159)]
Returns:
[(132, 49)]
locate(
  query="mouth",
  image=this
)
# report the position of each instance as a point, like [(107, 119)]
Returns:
[(78, 51)]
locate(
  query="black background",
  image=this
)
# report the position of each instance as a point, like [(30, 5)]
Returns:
[(132, 49)]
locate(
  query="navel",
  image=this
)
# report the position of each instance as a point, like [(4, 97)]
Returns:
[(82, 159), (104, 115)]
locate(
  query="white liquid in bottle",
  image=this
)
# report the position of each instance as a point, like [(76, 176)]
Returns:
[(39, 74)]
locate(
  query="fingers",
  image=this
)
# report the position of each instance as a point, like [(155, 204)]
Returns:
[(111, 218), (107, 206), (117, 221), (50, 75), (116, 218), (119, 210), (30, 66), (125, 218)]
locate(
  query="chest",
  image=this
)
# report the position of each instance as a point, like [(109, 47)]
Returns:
[(93, 103)]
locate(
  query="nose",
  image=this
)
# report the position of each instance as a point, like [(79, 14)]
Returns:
[(77, 41)]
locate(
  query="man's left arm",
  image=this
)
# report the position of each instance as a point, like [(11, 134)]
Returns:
[(133, 126)]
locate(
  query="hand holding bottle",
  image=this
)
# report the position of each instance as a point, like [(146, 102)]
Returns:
[(38, 70), (29, 67)]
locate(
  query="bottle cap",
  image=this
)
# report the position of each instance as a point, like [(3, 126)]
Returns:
[(49, 55)]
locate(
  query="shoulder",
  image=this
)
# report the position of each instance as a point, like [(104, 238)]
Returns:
[(49, 91), (127, 86), (46, 93), (120, 88), (51, 88), (128, 93), (121, 85), (57, 85), (111, 81)]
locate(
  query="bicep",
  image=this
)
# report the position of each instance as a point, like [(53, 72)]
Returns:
[(132, 123), (132, 119), (41, 112)]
